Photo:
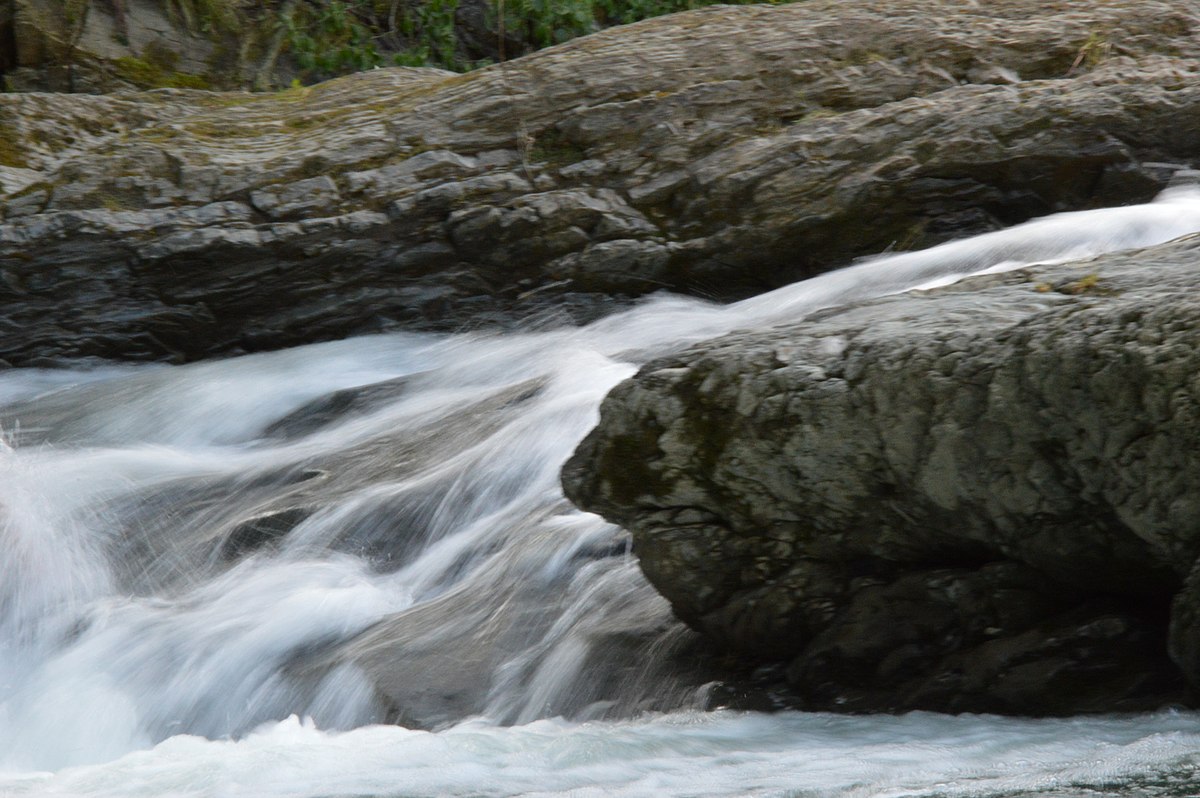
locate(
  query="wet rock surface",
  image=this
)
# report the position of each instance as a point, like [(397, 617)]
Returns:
[(976, 498), (719, 152)]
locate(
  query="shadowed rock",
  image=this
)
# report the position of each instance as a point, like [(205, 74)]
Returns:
[(978, 498), (719, 152)]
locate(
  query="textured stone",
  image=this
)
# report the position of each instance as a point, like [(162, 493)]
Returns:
[(297, 199), (751, 145), (935, 500)]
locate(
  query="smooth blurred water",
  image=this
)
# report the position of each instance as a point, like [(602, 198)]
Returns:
[(372, 530), (681, 754)]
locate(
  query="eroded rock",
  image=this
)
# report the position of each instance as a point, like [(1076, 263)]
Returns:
[(719, 152), (977, 498)]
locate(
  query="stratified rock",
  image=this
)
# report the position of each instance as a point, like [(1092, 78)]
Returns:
[(719, 152), (977, 498)]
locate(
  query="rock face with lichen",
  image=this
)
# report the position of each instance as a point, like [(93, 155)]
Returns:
[(89, 46), (719, 152), (979, 498)]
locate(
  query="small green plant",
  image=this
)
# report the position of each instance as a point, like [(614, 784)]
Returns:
[(1095, 50)]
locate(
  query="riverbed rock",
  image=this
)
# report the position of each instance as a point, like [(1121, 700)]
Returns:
[(975, 498), (719, 152)]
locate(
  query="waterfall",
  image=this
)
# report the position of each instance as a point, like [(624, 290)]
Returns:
[(371, 531)]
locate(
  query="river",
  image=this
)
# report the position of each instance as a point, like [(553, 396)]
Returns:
[(347, 569)]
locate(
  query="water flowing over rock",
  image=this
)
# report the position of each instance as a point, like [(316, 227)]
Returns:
[(720, 152), (977, 498)]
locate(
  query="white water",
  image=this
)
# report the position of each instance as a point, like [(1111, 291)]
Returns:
[(151, 645)]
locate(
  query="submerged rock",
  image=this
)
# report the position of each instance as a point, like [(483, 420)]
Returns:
[(976, 498), (718, 152)]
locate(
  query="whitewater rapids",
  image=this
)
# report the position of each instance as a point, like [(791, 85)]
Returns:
[(348, 569)]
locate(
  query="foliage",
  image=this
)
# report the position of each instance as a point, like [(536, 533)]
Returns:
[(429, 33), (205, 16), (325, 38), (329, 39), (339, 36), (548, 22)]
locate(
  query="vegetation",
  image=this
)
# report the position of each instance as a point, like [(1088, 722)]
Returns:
[(204, 16), (145, 73), (325, 38), (339, 36), (10, 147)]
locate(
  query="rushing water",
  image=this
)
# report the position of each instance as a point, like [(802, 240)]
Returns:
[(222, 579)]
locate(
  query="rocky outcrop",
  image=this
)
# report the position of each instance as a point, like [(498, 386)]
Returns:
[(90, 46), (719, 152), (976, 498)]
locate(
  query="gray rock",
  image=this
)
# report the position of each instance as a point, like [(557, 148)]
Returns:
[(615, 265), (753, 145), (317, 196), (977, 498)]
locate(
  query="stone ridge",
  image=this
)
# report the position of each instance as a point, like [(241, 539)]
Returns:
[(981, 498), (719, 152)]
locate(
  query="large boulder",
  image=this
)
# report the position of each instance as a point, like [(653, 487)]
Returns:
[(718, 152), (984, 497)]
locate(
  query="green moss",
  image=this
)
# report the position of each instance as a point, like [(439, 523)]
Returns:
[(111, 203), (11, 151), (157, 135), (312, 166), (860, 57), (376, 162), (137, 71), (292, 94), (219, 129), (182, 80), (33, 188), (302, 122), (1094, 51), (234, 100), (149, 75), (555, 150), (159, 55)]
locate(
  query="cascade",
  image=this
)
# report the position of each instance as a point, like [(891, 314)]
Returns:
[(222, 561)]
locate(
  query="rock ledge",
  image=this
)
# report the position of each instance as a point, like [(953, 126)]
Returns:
[(980, 498)]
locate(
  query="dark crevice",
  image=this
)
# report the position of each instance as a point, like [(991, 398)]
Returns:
[(260, 531), (8, 39)]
